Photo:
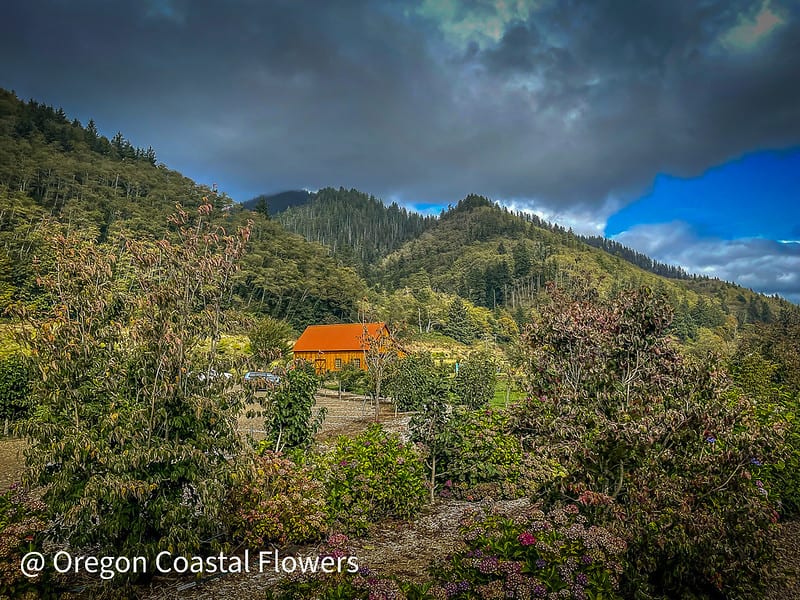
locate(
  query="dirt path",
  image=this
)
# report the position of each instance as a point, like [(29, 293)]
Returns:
[(11, 461)]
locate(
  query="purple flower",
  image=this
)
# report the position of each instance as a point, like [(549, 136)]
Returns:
[(488, 565), (586, 559), (755, 461), (711, 440), (539, 591), (541, 563), (581, 579)]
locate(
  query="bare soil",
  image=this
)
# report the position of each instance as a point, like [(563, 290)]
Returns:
[(12, 461)]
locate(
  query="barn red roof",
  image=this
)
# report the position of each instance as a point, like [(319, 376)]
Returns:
[(331, 338)]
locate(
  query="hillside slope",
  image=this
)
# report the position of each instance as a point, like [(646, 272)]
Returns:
[(51, 166)]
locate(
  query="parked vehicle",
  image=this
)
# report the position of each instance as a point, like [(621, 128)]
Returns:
[(262, 377)]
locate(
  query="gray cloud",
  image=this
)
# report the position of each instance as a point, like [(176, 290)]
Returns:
[(569, 104), (763, 265)]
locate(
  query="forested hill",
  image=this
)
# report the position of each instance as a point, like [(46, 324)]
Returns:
[(272, 204), (359, 229), (500, 259), (51, 165)]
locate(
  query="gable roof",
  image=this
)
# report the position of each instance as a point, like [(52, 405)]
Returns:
[(330, 338)]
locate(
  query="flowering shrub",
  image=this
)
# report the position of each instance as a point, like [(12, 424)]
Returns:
[(276, 501), (530, 554), (371, 476), (654, 447), (21, 527)]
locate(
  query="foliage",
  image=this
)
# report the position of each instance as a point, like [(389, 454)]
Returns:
[(269, 340), (22, 524), (127, 440), (359, 229), (518, 554), (15, 384), (458, 324), (414, 380), (426, 426), (476, 449), (656, 446), (369, 477), (530, 554), (756, 377), (351, 378), (290, 422), (474, 384), (274, 500)]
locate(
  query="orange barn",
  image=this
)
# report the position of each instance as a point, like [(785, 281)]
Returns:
[(330, 347)]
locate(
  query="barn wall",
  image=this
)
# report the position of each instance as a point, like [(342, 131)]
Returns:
[(330, 358)]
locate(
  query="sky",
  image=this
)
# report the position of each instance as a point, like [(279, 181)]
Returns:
[(671, 126)]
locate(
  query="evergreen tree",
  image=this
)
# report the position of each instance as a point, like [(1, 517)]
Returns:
[(459, 325)]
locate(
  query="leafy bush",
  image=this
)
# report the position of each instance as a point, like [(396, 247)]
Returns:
[(15, 385), (276, 501), (414, 379), (474, 384), (656, 447), (530, 554), (521, 554), (352, 379), (369, 477), (22, 523), (776, 406), (480, 458), (290, 422)]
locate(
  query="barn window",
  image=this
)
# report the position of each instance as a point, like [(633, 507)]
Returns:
[(357, 363), (338, 363)]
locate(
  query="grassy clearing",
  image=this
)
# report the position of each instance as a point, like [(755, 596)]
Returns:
[(505, 393)]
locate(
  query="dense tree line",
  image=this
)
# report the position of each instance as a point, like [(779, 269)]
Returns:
[(359, 229), (637, 258)]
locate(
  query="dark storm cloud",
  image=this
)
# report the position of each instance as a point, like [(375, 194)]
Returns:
[(648, 87), (575, 105)]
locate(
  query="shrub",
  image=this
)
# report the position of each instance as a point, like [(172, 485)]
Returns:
[(655, 447), (414, 379), (15, 385), (269, 340), (275, 500), (352, 379), (474, 384), (290, 422), (22, 526), (520, 555), (777, 406), (480, 448), (369, 477), (530, 554)]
